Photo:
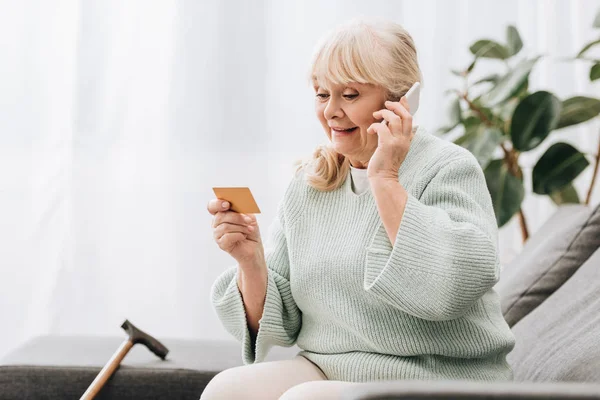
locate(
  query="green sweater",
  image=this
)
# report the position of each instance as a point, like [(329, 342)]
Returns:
[(364, 310)]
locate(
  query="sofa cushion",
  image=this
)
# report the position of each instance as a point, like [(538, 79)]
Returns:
[(456, 389), (62, 367), (549, 258), (560, 339)]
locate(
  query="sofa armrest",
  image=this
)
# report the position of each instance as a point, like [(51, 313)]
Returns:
[(474, 390)]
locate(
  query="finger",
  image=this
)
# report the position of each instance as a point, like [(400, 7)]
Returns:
[(226, 228), (394, 121), (400, 109), (372, 129), (380, 129), (216, 205), (375, 128), (404, 102), (227, 241), (232, 217), (249, 219)]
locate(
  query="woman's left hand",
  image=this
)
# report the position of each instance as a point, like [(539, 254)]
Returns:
[(393, 140)]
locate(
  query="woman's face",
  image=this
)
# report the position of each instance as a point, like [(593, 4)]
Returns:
[(350, 106)]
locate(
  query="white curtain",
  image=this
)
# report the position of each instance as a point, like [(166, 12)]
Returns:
[(118, 117)]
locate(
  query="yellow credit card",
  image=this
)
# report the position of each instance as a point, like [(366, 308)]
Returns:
[(240, 198)]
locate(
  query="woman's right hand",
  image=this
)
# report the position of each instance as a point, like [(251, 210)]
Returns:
[(236, 234)]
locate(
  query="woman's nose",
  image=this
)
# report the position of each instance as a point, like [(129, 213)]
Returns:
[(332, 109)]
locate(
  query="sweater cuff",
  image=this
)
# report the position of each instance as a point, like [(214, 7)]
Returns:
[(269, 326), (230, 309)]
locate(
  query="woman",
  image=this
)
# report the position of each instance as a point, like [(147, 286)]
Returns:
[(383, 253)]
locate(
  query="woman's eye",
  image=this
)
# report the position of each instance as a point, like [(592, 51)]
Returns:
[(323, 96)]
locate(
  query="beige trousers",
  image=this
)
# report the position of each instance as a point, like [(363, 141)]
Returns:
[(293, 379)]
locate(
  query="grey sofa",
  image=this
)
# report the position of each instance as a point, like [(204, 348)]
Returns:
[(550, 296)]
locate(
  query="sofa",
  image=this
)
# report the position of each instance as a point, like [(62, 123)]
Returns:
[(550, 295)]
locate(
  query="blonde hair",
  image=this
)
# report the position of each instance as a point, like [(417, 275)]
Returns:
[(370, 51)]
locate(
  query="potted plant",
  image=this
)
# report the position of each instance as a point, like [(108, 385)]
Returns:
[(499, 112)]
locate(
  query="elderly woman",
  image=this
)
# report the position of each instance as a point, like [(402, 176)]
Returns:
[(382, 258)]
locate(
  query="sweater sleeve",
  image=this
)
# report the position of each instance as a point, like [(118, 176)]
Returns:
[(281, 318), (444, 257)]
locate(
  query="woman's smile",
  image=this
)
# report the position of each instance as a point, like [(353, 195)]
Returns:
[(343, 132)]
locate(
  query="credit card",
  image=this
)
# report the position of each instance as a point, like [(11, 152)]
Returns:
[(240, 198)]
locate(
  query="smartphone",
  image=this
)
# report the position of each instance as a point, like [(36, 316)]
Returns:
[(412, 96)]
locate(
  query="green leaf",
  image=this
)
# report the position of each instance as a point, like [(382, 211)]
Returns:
[(490, 78), (453, 113), (495, 120), (534, 118), (565, 195), (485, 110), (466, 71), (462, 139), (523, 90), (587, 47), (507, 109), (509, 84), (489, 49), (578, 109), (453, 117), (515, 44), (559, 165), (482, 143), (507, 191), (442, 130), (471, 66), (471, 125), (595, 72)]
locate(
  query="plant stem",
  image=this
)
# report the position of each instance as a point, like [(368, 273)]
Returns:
[(473, 107), (594, 175), (511, 158), (569, 59), (523, 221), (587, 59), (512, 161)]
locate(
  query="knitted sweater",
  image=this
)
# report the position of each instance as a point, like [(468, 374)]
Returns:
[(364, 310)]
